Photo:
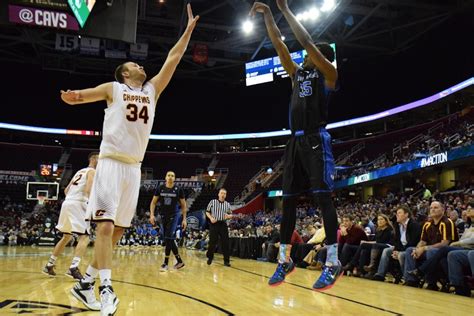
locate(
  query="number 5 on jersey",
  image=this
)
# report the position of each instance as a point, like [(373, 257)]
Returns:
[(134, 115)]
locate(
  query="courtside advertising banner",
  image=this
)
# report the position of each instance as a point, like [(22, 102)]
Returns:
[(42, 17)]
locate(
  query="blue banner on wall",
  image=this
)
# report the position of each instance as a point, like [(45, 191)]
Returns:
[(429, 161)]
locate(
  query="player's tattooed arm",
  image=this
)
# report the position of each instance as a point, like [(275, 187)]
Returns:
[(303, 37), (275, 36), (100, 93), (161, 80)]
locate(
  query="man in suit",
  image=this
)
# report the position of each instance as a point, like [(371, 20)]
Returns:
[(407, 234)]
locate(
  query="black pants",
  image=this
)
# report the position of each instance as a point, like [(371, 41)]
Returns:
[(216, 230)]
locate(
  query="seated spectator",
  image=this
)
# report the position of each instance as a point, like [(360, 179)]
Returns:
[(460, 261), (302, 250), (383, 236), (465, 224), (269, 247), (430, 268), (407, 234), (436, 233), (454, 216), (351, 236)]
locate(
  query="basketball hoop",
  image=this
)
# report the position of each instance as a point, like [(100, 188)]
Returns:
[(41, 199)]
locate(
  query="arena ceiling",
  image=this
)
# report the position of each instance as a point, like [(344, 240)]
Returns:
[(359, 27)]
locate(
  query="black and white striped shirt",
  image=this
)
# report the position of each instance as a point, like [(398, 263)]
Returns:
[(219, 209)]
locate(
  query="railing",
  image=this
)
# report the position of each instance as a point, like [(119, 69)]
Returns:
[(436, 127)]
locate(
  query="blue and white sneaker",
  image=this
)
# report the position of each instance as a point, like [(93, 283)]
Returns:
[(328, 277), (282, 270)]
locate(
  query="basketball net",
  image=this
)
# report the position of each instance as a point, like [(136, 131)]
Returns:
[(41, 200)]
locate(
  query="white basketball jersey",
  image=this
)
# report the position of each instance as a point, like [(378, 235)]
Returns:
[(78, 185), (128, 122)]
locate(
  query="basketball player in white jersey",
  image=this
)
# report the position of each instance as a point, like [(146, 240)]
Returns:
[(127, 126), (72, 219)]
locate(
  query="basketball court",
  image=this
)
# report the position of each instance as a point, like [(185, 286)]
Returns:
[(199, 289)]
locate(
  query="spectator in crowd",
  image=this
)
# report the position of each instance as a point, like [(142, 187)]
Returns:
[(383, 236), (431, 268), (269, 248), (465, 222), (454, 216), (458, 262), (436, 233), (351, 236), (407, 234)]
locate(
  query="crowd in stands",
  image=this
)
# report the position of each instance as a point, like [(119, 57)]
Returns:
[(22, 223), (426, 145)]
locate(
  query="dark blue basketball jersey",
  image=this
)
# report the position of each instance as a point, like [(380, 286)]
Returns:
[(309, 101)]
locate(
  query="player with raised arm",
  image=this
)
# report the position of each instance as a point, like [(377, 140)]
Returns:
[(127, 126), (309, 163)]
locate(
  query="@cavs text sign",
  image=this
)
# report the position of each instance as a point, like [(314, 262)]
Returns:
[(42, 17)]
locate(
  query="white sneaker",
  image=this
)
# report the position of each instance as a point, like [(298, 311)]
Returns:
[(108, 300), (84, 292), (164, 268)]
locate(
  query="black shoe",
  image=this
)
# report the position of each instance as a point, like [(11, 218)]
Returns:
[(348, 267), (74, 273), (378, 278), (463, 291), (209, 261), (412, 283), (432, 287), (227, 264)]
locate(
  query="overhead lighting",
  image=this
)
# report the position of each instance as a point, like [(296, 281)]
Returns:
[(283, 38), (313, 14), (328, 5), (309, 15), (210, 173), (247, 27)]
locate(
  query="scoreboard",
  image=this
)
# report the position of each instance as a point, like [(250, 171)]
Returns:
[(266, 70)]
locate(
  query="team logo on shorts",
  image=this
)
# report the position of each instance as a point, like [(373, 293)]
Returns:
[(99, 213)]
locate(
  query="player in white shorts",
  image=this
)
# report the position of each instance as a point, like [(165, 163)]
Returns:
[(127, 126), (72, 219)]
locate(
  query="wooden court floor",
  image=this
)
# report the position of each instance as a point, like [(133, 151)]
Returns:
[(199, 289)]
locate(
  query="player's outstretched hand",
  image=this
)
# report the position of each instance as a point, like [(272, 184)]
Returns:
[(258, 7), (152, 220), (282, 4), (71, 97), (192, 20)]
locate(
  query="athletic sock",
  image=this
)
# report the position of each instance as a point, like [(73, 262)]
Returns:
[(178, 258), (105, 277), (331, 259), (167, 258), (51, 261), (75, 262), (284, 253), (91, 274)]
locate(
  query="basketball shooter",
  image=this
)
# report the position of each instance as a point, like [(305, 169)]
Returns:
[(309, 163), (167, 197), (72, 219), (128, 121)]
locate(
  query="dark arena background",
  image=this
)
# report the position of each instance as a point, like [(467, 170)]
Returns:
[(402, 127)]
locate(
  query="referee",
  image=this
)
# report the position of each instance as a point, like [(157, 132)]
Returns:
[(218, 211)]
